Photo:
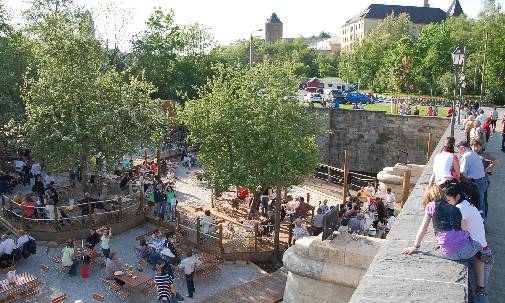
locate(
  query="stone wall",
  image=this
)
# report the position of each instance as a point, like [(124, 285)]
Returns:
[(375, 139), (422, 277), (327, 271)]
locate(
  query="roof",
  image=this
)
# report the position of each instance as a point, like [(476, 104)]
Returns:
[(455, 9), (274, 19), (418, 15)]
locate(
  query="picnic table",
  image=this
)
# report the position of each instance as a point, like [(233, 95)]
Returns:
[(133, 278), (22, 282)]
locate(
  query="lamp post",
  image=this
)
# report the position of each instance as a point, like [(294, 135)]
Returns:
[(458, 61), (250, 45)]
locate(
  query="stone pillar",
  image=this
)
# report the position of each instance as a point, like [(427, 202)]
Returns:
[(393, 177), (327, 271)]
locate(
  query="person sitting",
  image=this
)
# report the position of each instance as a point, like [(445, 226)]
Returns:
[(317, 224), (300, 230), (303, 209), (28, 207), (355, 224), (26, 244), (268, 225), (112, 265), (93, 238), (324, 207), (69, 258), (142, 250), (243, 193), (7, 248), (370, 189)]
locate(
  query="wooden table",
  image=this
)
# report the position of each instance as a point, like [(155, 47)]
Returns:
[(22, 280), (141, 278)]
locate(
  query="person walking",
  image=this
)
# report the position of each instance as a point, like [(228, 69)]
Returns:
[(494, 118), (188, 265), (165, 284)]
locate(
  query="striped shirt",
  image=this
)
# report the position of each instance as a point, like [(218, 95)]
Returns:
[(163, 283)]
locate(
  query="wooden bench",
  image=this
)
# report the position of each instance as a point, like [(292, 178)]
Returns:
[(59, 299)]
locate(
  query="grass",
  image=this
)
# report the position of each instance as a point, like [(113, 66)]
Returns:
[(387, 108)]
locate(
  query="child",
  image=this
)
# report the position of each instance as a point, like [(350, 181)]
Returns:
[(454, 242)]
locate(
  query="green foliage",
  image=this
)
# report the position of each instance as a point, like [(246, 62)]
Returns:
[(248, 135), (75, 106), (15, 55), (324, 35), (172, 57)]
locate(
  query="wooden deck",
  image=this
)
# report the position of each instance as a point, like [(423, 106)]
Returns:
[(266, 289)]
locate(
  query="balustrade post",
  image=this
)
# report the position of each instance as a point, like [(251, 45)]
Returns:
[(120, 206), (198, 231), (256, 237), (290, 234), (221, 247)]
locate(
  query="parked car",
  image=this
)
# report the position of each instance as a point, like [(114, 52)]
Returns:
[(357, 97), (331, 95), (314, 98)]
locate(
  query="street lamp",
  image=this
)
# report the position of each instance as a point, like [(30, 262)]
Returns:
[(458, 61), (250, 45)]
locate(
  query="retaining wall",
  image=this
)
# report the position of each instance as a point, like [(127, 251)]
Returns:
[(374, 139)]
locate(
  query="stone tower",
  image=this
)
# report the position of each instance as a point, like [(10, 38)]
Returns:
[(273, 29)]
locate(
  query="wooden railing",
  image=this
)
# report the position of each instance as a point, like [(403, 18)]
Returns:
[(114, 211)]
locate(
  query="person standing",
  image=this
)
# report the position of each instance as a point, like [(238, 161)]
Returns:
[(158, 201), (171, 202), (188, 265), (265, 197), (391, 202), (494, 118), (165, 284), (105, 240), (324, 207)]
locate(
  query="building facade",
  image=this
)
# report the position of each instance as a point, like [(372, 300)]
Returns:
[(273, 29), (358, 26)]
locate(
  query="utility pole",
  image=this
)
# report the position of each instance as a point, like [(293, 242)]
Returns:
[(251, 46), (483, 68)]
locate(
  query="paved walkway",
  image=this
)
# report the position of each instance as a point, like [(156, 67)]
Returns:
[(265, 289), (496, 213)]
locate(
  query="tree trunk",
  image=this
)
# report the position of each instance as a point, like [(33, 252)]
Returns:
[(277, 228), (254, 204), (158, 159)]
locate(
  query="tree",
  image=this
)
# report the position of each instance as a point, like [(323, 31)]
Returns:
[(172, 57), (75, 106), (248, 135), (15, 54), (324, 35)]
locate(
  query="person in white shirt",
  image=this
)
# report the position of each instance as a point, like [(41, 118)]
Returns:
[(300, 231), (391, 202), (23, 238), (370, 189), (481, 117), (474, 224), (494, 117), (19, 164), (188, 265), (48, 179), (391, 222), (50, 209), (6, 247), (324, 207), (36, 169), (207, 222)]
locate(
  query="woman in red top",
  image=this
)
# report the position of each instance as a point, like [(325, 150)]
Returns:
[(28, 207), (487, 127)]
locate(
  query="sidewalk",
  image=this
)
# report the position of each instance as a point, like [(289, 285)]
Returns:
[(496, 214)]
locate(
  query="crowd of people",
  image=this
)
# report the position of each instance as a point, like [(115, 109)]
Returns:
[(455, 200)]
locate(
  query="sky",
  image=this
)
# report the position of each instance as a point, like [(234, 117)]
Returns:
[(229, 20)]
